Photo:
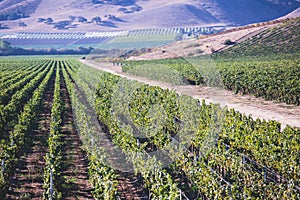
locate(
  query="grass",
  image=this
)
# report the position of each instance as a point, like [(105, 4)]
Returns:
[(130, 42), (125, 42), (144, 38)]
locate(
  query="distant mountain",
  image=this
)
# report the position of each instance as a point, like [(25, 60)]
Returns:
[(99, 15)]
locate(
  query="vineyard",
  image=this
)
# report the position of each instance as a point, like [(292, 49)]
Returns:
[(274, 77), (284, 38), (105, 39), (138, 41), (69, 131)]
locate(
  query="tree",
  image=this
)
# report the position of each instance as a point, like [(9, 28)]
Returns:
[(13, 16), (4, 45), (62, 24), (72, 18), (96, 2), (22, 24), (49, 21), (81, 19), (136, 8), (96, 20), (228, 42), (124, 10), (3, 26), (39, 20)]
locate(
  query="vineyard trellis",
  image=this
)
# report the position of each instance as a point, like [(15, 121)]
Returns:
[(222, 153), (238, 117), (273, 77)]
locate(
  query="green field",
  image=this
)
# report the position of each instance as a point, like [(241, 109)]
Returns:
[(132, 42), (219, 152), (69, 131)]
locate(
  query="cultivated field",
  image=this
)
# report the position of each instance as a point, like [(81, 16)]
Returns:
[(70, 131), (139, 41), (220, 126)]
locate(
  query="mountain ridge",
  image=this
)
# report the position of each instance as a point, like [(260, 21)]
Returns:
[(79, 16)]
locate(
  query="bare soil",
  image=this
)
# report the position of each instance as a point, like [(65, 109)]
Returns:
[(250, 105), (75, 174), (130, 187)]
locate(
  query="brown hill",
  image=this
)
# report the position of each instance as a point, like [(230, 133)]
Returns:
[(77, 15)]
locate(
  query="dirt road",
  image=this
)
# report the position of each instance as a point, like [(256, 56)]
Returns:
[(250, 105)]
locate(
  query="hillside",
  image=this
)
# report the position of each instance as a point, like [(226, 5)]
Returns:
[(282, 37), (96, 15), (15, 9)]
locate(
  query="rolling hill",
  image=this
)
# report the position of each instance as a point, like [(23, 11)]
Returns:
[(283, 38), (278, 38), (96, 15)]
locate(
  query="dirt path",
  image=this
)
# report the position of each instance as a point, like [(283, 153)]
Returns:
[(27, 183), (75, 171), (250, 105), (130, 188)]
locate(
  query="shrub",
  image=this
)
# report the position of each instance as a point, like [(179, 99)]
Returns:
[(228, 42)]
